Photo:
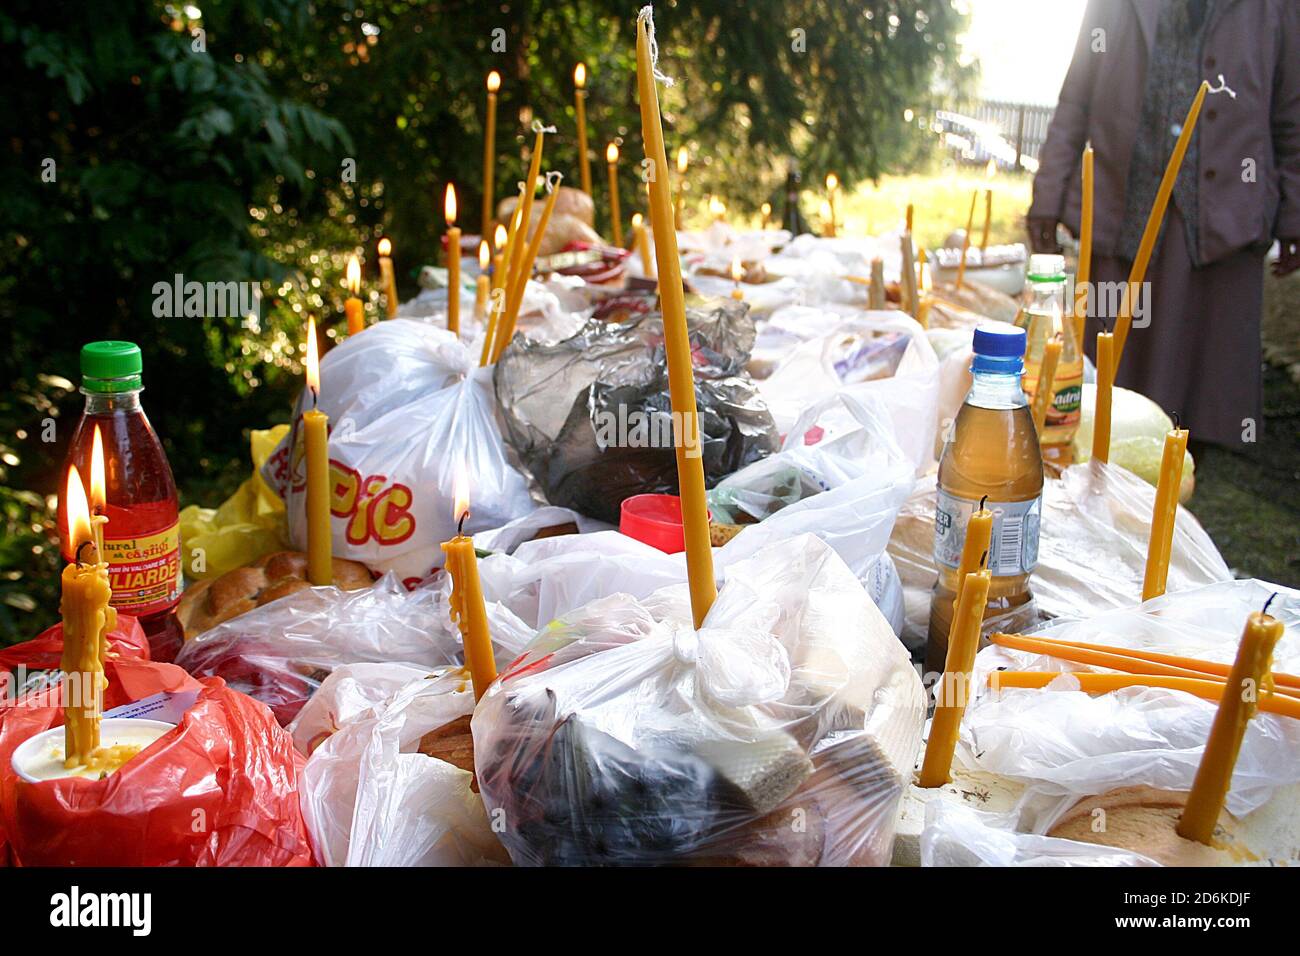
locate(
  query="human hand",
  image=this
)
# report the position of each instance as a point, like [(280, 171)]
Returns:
[(1288, 258), (1042, 235)]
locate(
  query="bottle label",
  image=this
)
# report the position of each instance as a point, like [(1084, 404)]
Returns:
[(1066, 404), (1013, 548), (144, 571)]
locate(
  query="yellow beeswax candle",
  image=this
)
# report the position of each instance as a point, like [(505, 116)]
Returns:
[(580, 106), (489, 150), (467, 607), (1164, 514), (320, 568), (1105, 387), (352, 308)]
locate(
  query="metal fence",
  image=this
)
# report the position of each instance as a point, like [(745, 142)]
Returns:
[(1024, 125)]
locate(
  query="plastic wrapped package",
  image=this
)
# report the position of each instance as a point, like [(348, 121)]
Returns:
[(372, 792), (781, 733), (35, 666), (1096, 519), (221, 789), (407, 405), (281, 652), (804, 386), (1063, 746), (590, 417)]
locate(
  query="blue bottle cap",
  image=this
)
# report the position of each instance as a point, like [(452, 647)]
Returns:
[(999, 348)]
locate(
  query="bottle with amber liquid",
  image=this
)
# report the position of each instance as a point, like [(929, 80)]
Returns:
[(991, 452), (1043, 319), (142, 536)]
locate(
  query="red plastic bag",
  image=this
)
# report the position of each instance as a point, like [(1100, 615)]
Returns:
[(25, 667), (219, 790)]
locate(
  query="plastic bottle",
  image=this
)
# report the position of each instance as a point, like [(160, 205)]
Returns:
[(1042, 320), (992, 450), (142, 536)]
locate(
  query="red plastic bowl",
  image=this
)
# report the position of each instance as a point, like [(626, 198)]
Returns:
[(655, 520)]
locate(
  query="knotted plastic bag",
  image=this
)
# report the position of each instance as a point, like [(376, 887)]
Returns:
[(408, 405), (591, 418), (372, 792), (781, 733), (221, 789)]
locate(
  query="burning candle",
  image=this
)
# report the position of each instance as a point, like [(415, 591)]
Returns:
[(98, 492), (737, 273), (1164, 514), (615, 219), (677, 344), (481, 283), (1249, 679), (765, 211), (828, 219), (580, 105), (467, 607), (489, 148), (386, 274), (320, 564), (87, 619), (352, 305), (453, 261), (641, 239)]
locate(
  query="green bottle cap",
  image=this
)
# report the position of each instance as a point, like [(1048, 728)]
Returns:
[(110, 367)]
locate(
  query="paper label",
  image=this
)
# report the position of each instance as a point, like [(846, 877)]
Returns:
[(164, 706), (1067, 400), (1013, 549), (145, 571)]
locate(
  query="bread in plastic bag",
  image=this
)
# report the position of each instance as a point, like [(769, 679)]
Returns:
[(1137, 436), (407, 404), (590, 417), (221, 789), (281, 652), (1092, 549), (1064, 745), (371, 793), (781, 733)]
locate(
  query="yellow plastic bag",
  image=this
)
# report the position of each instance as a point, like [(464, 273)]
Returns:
[(247, 525)]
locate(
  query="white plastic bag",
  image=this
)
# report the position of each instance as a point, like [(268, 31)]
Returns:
[(369, 796), (281, 652), (407, 404), (624, 736)]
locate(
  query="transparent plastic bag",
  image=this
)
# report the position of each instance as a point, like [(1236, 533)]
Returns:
[(407, 405), (1092, 548), (782, 733), (590, 417), (370, 794), (281, 652)]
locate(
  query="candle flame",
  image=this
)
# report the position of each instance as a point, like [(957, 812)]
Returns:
[(484, 257), (493, 81), (354, 275), (460, 488), (449, 204), (580, 75), (611, 153), (385, 247), (717, 207), (98, 495), (636, 220), (683, 159), (499, 237), (78, 511), (767, 209), (832, 182), (313, 360), (737, 270)]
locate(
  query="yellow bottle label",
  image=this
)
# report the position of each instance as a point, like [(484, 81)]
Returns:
[(145, 572)]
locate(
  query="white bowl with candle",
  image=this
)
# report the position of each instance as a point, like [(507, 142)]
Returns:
[(40, 758)]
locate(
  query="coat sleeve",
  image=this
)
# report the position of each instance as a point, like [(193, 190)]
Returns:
[(1285, 120), (1068, 131)]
